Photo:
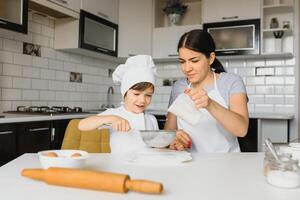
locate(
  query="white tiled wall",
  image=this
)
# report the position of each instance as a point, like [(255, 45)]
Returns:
[(274, 93), (30, 80)]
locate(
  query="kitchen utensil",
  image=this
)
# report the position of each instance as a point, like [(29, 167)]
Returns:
[(157, 138), (95, 180), (64, 158), (271, 148)]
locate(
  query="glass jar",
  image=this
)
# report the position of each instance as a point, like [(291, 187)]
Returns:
[(284, 173), (267, 160)]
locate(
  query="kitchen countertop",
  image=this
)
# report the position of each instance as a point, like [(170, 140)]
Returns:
[(208, 176), (13, 118), (251, 115)]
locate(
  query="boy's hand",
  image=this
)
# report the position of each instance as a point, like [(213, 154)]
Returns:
[(120, 124)]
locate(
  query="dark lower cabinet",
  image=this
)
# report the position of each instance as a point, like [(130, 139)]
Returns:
[(58, 132), (249, 142), (7, 143), (161, 120), (33, 137)]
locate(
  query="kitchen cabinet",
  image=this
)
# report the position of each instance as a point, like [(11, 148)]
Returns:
[(165, 40), (135, 27), (249, 142), (275, 129), (57, 8), (107, 9), (228, 10), (33, 137), (278, 19), (14, 15), (58, 132), (91, 35), (7, 143)]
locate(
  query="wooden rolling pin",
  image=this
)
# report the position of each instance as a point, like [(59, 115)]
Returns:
[(95, 180)]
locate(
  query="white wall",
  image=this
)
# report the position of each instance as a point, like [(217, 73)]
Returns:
[(31, 80)]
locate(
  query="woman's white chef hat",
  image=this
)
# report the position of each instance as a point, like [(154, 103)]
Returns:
[(136, 69)]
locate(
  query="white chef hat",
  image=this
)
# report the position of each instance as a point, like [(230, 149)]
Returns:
[(136, 69)]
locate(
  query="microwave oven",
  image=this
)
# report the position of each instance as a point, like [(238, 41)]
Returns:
[(239, 37), (98, 34)]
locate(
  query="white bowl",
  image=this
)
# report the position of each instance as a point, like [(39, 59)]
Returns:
[(64, 158), (158, 138)]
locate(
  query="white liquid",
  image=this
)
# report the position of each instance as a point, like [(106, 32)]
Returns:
[(285, 179)]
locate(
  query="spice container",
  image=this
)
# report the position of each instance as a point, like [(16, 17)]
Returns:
[(283, 173)]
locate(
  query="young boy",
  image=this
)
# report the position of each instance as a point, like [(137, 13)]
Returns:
[(137, 81)]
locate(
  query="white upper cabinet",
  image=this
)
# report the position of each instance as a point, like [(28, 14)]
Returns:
[(165, 40), (228, 10), (70, 4), (135, 27), (57, 8), (107, 9)]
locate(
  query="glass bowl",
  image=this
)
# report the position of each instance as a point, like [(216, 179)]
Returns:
[(158, 138)]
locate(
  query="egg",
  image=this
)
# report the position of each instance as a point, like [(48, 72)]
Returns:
[(51, 154), (76, 155)]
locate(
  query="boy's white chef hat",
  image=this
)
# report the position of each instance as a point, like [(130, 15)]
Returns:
[(136, 69)]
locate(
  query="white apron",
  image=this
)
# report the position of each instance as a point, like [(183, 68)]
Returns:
[(123, 142), (208, 135)]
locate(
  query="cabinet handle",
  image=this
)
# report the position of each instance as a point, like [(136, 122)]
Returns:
[(232, 17), (38, 129), (101, 49), (52, 134), (62, 1), (228, 52), (6, 132), (172, 55), (131, 54), (103, 15), (2, 22)]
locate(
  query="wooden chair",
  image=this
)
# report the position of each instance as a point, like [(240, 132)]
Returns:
[(96, 141)]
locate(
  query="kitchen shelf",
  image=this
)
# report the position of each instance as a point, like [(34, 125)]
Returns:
[(192, 16), (283, 11), (271, 30), (260, 56), (238, 57), (280, 6)]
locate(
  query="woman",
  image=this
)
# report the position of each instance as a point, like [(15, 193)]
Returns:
[(221, 96)]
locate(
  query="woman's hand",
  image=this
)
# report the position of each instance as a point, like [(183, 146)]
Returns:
[(119, 123), (200, 97), (181, 142)]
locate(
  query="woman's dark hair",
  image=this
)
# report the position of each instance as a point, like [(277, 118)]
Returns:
[(141, 86), (202, 42)]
